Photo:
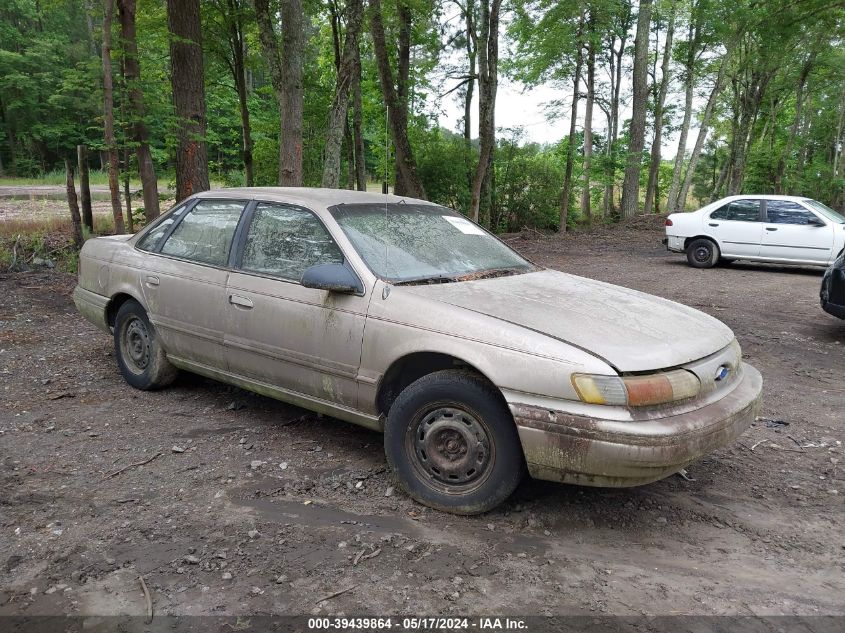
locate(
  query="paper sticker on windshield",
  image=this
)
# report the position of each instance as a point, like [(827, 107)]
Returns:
[(463, 225)]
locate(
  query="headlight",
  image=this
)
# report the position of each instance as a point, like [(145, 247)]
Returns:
[(637, 391)]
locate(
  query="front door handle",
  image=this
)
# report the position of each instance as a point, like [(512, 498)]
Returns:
[(243, 302), (152, 280), (714, 224), (771, 228)]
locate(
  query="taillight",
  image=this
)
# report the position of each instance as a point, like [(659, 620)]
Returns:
[(668, 222)]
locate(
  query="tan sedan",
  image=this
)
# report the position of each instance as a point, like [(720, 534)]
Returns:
[(403, 316)]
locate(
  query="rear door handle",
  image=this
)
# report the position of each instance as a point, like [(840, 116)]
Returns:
[(713, 224), (152, 280), (243, 302), (771, 228)]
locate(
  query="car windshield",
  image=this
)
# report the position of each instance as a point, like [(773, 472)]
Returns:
[(826, 211), (416, 243)]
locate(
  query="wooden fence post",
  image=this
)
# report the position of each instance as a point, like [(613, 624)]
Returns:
[(74, 206), (84, 187)]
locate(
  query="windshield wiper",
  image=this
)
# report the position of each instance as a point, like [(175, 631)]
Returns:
[(434, 279), (490, 273)]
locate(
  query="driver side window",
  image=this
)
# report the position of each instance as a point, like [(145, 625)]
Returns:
[(283, 241), (785, 212)]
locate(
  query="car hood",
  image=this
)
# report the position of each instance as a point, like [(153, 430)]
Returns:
[(630, 330)]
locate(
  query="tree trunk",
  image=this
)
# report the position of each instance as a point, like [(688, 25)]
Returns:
[(631, 184), (270, 47), (751, 94), (566, 193), (88, 8), (108, 120), (186, 79), (586, 211), (350, 153), (132, 71), (127, 194), (10, 134), (488, 80), (793, 130), (397, 114), (84, 187), (689, 92), (286, 76), (357, 125), (837, 141), (718, 86), (403, 74), (76, 220), (236, 43), (338, 122), (652, 195), (616, 70), (293, 50), (470, 88)]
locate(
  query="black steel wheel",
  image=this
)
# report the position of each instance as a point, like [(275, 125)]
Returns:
[(702, 253), (452, 443), (140, 356)]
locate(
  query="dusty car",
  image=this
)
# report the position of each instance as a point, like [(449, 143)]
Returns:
[(764, 228), (403, 316)]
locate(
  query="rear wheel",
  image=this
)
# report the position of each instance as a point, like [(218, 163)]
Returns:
[(452, 443), (140, 356), (702, 253)]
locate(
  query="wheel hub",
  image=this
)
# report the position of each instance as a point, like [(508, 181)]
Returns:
[(702, 254), (451, 446), (136, 344)]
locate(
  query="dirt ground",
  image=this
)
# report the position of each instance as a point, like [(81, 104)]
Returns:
[(250, 506)]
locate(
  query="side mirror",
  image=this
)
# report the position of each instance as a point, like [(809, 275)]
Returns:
[(815, 221), (331, 277)]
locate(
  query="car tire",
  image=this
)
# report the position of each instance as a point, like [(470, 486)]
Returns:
[(702, 253), (452, 443), (139, 353)]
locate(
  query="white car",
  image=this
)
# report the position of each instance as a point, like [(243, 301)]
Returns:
[(778, 229)]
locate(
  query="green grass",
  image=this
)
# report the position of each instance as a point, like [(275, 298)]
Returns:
[(58, 178)]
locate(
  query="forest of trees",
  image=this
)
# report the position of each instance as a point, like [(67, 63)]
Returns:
[(341, 93)]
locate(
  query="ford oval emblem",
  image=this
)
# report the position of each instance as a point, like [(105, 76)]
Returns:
[(721, 373)]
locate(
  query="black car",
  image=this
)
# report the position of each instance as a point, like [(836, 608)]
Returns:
[(833, 288)]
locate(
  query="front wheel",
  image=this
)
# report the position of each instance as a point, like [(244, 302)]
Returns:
[(140, 356), (452, 443), (702, 253)]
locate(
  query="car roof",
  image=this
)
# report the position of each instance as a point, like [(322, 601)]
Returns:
[(763, 196), (310, 197)]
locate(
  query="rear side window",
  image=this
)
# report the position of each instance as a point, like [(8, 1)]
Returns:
[(205, 234), (783, 212), (150, 241), (284, 240), (738, 211)]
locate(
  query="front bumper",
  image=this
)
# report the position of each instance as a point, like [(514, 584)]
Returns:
[(559, 446), (834, 309), (832, 294)]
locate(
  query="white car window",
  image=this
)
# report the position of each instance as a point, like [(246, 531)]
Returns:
[(784, 212), (738, 211)]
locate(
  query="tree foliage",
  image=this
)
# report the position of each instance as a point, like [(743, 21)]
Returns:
[(754, 91)]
